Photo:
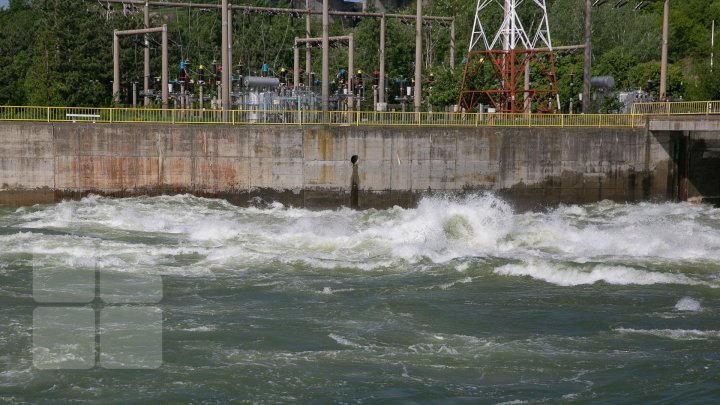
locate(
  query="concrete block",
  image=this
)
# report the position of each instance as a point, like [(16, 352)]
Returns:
[(26, 172), (327, 174), (324, 145)]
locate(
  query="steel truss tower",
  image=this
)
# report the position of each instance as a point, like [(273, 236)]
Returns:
[(510, 55)]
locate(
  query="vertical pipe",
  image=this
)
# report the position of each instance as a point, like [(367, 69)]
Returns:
[(663, 54), (325, 62), (588, 58), (223, 50), (116, 67), (381, 92), (230, 59), (351, 72), (527, 98), (712, 45), (418, 56), (452, 44), (134, 95), (146, 65), (308, 65), (182, 95), (164, 78), (296, 66), (506, 33)]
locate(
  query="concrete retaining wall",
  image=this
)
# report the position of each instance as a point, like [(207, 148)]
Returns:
[(310, 166)]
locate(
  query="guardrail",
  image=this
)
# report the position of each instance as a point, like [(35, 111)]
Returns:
[(677, 108), (287, 117)]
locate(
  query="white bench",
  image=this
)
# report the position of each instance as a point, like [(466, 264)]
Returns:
[(76, 116)]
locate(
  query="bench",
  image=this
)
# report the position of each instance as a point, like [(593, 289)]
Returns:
[(76, 116)]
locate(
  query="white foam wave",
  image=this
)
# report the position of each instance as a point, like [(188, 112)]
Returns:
[(439, 230), (672, 231), (676, 334), (618, 275), (688, 304), (344, 341)]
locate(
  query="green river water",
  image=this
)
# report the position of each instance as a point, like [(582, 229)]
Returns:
[(457, 300)]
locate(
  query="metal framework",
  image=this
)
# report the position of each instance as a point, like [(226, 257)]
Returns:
[(511, 53), (116, 61), (226, 11), (316, 41)]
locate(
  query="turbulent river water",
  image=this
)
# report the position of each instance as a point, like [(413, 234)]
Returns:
[(459, 299)]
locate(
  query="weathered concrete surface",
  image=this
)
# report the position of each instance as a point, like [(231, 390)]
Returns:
[(684, 123), (310, 166)]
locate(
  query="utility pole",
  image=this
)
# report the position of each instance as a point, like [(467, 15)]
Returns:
[(712, 45), (587, 64), (308, 64), (418, 56), (381, 85), (351, 72), (325, 62), (229, 59), (452, 44), (663, 54), (296, 66), (225, 96), (146, 67)]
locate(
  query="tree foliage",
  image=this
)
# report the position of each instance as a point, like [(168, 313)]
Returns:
[(59, 52)]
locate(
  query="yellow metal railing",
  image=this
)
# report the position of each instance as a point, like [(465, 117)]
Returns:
[(352, 118), (677, 108), (288, 117)]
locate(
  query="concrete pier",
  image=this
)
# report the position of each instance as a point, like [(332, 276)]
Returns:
[(310, 166)]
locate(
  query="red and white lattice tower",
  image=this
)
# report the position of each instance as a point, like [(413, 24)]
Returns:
[(511, 55)]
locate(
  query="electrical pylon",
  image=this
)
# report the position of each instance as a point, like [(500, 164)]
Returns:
[(513, 56)]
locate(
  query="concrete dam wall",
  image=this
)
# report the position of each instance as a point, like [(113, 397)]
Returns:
[(310, 166)]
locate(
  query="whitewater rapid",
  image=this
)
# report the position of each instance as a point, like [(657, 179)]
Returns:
[(566, 246)]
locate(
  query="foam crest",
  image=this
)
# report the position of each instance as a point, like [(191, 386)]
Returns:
[(688, 304), (439, 230), (675, 334), (444, 228), (670, 231), (571, 276)]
